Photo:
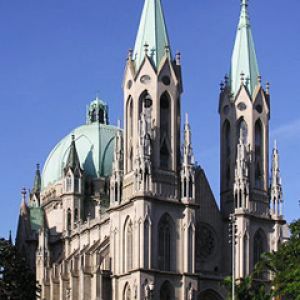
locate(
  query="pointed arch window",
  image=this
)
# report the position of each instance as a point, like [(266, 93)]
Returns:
[(145, 103), (128, 246), (242, 131), (190, 249), (227, 151), (165, 244), (76, 215), (191, 187), (69, 183), (258, 155), (129, 133), (77, 184), (130, 162), (165, 130), (116, 192), (127, 292), (167, 291), (146, 244), (69, 219), (258, 246), (164, 156)]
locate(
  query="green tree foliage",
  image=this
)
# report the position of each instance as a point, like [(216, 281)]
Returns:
[(247, 289), (17, 281), (285, 266)]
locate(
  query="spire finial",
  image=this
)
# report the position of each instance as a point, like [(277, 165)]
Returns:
[(24, 193), (244, 3), (275, 145), (152, 30), (186, 118)]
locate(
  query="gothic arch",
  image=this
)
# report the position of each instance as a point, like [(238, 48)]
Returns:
[(259, 245), (209, 295), (242, 128), (227, 141), (166, 243), (128, 238), (259, 154), (129, 131), (145, 101), (167, 291), (147, 237), (165, 108), (127, 292), (69, 219)]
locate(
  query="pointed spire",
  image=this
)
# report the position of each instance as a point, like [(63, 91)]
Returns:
[(152, 33), (244, 56), (188, 156), (23, 207), (73, 158), (37, 181), (187, 169), (276, 186)]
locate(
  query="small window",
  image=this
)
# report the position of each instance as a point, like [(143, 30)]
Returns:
[(69, 183)]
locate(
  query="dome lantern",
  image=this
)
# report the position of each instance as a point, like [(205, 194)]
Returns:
[(97, 112)]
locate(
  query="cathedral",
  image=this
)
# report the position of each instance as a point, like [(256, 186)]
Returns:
[(126, 213)]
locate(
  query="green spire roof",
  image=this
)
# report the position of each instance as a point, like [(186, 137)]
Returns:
[(37, 180), (73, 159), (244, 57), (152, 33)]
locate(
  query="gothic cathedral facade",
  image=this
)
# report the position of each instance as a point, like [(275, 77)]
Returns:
[(127, 213)]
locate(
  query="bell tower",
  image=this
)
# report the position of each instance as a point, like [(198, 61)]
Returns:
[(244, 110), (244, 122), (152, 89)]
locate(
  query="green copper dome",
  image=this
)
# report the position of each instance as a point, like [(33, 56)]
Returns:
[(95, 147)]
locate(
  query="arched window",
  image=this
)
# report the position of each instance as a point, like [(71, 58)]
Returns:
[(167, 291), (242, 131), (191, 187), (69, 219), (165, 130), (130, 159), (258, 155), (127, 292), (227, 151), (164, 156), (145, 103), (77, 184), (146, 244), (259, 242), (128, 246), (129, 133), (190, 249), (209, 295), (76, 215), (184, 187), (116, 192), (69, 183), (227, 139), (165, 243)]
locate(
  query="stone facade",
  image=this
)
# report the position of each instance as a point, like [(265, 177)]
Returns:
[(143, 223)]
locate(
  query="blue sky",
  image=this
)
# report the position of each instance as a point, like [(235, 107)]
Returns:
[(56, 55)]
